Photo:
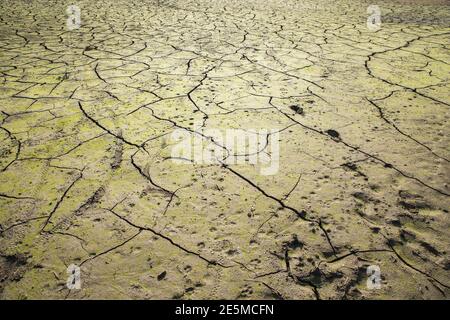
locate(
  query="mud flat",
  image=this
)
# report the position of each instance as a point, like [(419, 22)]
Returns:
[(357, 207)]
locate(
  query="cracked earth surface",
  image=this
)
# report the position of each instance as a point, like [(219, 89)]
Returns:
[(86, 176)]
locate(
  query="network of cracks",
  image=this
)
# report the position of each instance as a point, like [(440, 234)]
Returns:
[(87, 176)]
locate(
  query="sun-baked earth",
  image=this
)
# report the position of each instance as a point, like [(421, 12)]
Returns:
[(86, 175)]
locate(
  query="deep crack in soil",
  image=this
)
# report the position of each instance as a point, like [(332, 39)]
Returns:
[(87, 176)]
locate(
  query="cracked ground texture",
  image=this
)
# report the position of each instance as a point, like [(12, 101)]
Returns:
[(86, 176)]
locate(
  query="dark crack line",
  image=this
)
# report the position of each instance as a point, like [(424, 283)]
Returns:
[(416, 269), (357, 149), (60, 200), (106, 129), (111, 249), (300, 214), (212, 262), (381, 113)]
